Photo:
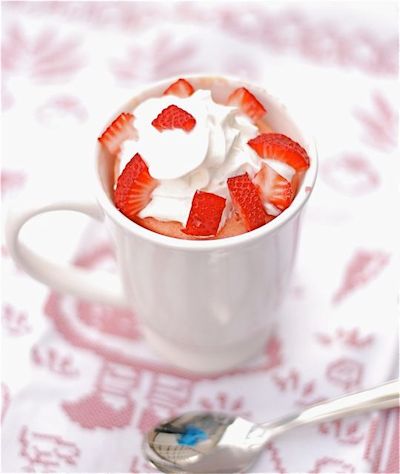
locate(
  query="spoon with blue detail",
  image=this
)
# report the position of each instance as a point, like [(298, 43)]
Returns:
[(208, 442)]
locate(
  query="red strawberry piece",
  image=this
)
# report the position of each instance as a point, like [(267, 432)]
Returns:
[(273, 187), (248, 104), (280, 147), (180, 88), (134, 187), (119, 130), (174, 117), (247, 201), (205, 214)]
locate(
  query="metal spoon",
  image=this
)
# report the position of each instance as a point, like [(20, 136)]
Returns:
[(207, 442)]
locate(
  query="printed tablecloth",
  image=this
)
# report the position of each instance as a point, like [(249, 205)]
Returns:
[(79, 385)]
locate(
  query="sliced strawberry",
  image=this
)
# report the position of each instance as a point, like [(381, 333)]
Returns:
[(119, 130), (180, 88), (168, 228), (263, 127), (134, 187), (280, 147), (247, 201), (205, 214), (248, 104), (174, 117), (296, 180), (273, 187), (234, 225)]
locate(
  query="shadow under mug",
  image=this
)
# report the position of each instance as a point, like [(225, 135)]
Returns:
[(205, 306)]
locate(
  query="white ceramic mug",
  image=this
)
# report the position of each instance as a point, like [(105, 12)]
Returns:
[(205, 305)]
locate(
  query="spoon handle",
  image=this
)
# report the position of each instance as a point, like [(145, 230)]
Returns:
[(376, 398)]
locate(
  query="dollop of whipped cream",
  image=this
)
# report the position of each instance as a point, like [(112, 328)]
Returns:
[(184, 162)]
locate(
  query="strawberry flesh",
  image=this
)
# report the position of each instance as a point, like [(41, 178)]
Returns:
[(247, 103), (234, 225), (134, 187), (205, 214), (296, 180), (273, 187), (181, 88), (247, 201), (277, 146), (174, 117), (119, 130), (168, 228)]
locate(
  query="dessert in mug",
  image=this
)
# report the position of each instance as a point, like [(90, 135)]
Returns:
[(190, 167)]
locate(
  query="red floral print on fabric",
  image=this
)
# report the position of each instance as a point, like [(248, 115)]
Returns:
[(42, 56), (345, 373), (364, 266), (44, 452), (54, 361)]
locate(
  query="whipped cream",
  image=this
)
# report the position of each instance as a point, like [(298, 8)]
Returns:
[(202, 159)]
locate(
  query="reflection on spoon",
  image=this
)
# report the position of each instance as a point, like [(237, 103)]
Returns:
[(209, 442)]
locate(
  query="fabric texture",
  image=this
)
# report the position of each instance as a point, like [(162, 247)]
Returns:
[(79, 384)]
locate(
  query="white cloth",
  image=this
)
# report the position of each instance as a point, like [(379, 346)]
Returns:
[(79, 384)]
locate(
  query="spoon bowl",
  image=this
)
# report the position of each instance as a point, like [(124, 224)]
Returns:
[(210, 442), (226, 441)]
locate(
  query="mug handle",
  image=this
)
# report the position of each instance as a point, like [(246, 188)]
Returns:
[(95, 286)]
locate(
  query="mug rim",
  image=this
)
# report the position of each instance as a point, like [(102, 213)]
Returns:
[(295, 207)]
